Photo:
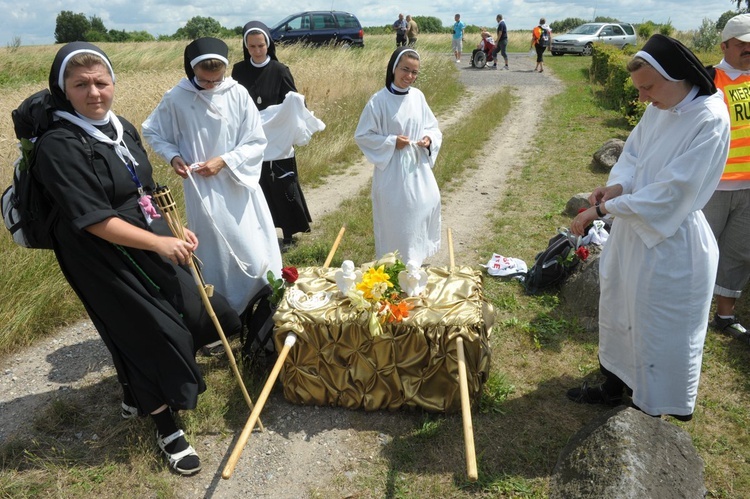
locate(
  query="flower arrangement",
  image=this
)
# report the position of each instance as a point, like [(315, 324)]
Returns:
[(288, 276), (379, 293)]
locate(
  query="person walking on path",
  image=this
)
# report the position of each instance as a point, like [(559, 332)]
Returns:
[(728, 210), (502, 42), (541, 38), (658, 268), (412, 31), (400, 27), (457, 40)]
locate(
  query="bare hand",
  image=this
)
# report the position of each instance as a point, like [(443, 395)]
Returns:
[(210, 167), (402, 141), (602, 194), (425, 142), (177, 250), (583, 220), (180, 167), (191, 237)]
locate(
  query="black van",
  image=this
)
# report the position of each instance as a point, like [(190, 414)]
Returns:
[(319, 27)]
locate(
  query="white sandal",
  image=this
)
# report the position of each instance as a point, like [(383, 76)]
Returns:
[(174, 459), (128, 411)]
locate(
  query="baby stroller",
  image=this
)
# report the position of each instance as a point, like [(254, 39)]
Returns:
[(483, 54)]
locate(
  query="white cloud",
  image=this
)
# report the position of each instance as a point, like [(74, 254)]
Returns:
[(34, 22)]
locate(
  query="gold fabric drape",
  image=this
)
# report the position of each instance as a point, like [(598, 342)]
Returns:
[(414, 363)]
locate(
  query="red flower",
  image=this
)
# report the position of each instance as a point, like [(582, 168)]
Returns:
[(582, 253), (289, 274)]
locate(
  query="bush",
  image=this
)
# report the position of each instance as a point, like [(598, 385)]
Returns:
[(707, 36), (645, 30), (608, 68)]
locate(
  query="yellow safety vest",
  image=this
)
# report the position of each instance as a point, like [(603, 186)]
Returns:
[(737, 99)]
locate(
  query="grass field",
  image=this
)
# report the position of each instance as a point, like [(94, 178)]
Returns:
[(524, 420)]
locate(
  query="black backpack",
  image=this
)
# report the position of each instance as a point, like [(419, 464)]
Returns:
[(543, 36), (552, 265), (27, 211)]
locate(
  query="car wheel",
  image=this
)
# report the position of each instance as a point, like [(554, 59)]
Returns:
[(557, 53), (345, 44), (587, 49)]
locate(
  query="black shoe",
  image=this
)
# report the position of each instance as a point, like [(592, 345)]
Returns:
[(730, 326), (592, 395)]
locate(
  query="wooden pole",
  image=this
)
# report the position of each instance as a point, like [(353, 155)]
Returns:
[(164, 200), (334, 247), (450, 250), (471, 457), (463, 388), (291, 338)]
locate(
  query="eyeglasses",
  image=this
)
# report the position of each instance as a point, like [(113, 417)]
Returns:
[(414, 73), (204, 83)]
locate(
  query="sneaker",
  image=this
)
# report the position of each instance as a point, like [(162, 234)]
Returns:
[(506, 67), (493, 67), (592, 395), (730, 325)]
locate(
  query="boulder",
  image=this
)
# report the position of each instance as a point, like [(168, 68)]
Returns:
[(574, 204), (608, 154), (579, 294), (626, 454)]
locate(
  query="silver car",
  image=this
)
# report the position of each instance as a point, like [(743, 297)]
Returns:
[(581, 40)]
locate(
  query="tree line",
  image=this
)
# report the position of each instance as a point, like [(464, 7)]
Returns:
[(71, 27)]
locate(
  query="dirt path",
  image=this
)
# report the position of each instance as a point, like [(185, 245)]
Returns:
[(304, 448)]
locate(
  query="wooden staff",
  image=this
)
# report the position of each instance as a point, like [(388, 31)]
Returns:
[(334, 247), (163, 197), (291, 338), (463, 387), (471, 457)]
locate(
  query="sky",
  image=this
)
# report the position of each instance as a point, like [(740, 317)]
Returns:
[(33, 22)]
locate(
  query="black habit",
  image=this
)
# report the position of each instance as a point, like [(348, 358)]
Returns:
[(146, 309), (268, 85)]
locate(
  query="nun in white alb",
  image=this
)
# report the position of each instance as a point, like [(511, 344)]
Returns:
[(658, 267), (398, 133), (207, 124)]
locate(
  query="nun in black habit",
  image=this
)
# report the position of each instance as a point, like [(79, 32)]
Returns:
[(118, 254), (268, 81)]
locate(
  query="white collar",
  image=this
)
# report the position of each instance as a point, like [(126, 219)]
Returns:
[(732, 72), (262, 64)]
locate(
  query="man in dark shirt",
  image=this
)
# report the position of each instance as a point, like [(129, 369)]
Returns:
[(400, 27), (502, 42)]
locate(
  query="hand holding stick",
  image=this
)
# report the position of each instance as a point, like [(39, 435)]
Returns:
[(166, 203)]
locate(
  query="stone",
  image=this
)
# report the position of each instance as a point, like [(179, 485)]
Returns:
[(579, 294), (578, 201), (608, 154), (626, 454)]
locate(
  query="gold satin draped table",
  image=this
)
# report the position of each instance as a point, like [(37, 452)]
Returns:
[(413, 363)]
